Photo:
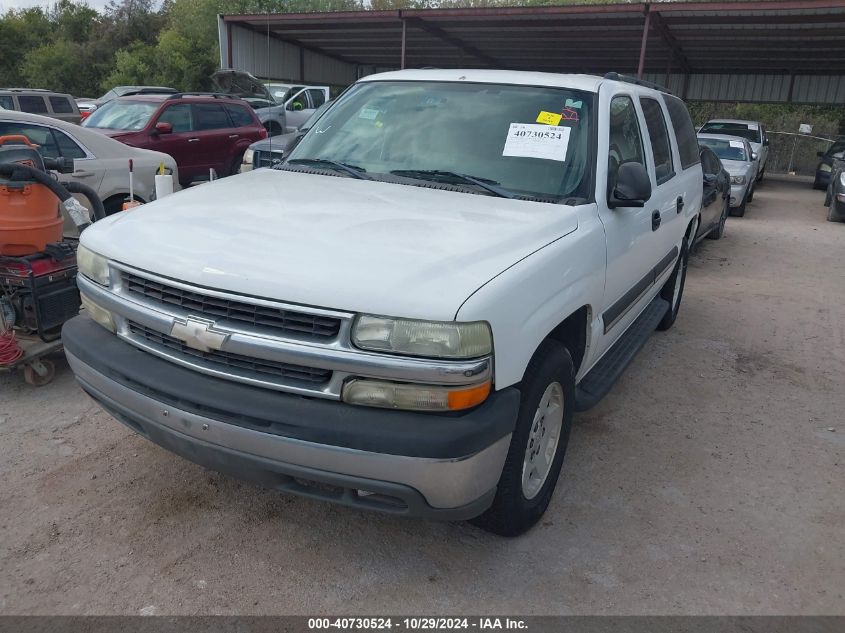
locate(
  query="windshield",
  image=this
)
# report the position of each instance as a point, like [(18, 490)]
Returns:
[(122, 115), (488, 131), (750, 131), (726, 150)]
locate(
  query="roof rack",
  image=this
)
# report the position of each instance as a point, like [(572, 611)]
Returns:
[(26, 89), (640, 82), (215, 95)]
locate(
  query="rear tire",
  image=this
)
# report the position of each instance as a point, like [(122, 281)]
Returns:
[(673, 289), (538, 444)]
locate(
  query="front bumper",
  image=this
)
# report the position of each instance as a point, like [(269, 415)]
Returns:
[(440, 466), (738, 193)]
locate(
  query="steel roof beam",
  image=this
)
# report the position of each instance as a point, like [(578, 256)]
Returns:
[(454, 41), (671, 42)]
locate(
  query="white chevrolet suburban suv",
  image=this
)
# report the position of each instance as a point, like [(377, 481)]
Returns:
[(404, 314)]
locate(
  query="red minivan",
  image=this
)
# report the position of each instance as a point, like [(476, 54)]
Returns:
[(201, 131)]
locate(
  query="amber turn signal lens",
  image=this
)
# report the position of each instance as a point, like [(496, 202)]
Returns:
[(466, 398)]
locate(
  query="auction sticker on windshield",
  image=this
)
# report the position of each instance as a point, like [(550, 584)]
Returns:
[(531, 140)]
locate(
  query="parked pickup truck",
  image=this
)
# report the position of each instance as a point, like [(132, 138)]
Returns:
[(405, 314)]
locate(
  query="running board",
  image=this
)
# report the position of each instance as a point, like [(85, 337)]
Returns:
[(596, 384)]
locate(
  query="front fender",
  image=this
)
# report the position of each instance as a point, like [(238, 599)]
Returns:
[(528, 300)]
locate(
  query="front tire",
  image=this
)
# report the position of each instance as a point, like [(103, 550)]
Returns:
[(673, 289), (538, 443)]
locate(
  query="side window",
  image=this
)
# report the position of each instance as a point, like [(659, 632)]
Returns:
[(61, 105), (240, 115), (210, 116), (318, 97), (67, 146), (179, 116), (6, 102), (684, 131), (31, 103), (659, 137), (626, 143), (37, 134)]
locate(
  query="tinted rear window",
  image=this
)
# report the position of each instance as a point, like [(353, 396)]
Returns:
[(240, 115), (210, 116), (61, 105), (684, 131), (32, 104)]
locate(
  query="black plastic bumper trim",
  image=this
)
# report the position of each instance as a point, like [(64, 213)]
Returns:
[(412, 434)]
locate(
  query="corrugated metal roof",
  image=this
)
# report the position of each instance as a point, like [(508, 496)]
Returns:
[(746, 51)]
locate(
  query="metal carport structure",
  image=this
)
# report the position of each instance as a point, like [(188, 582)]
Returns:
[(789, 51)]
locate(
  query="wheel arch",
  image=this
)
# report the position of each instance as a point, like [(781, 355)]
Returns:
[(573, 333)]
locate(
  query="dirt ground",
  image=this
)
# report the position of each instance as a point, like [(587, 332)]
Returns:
[(709, 481)]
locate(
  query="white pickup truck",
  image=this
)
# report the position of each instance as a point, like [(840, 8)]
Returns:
[(406, 313)]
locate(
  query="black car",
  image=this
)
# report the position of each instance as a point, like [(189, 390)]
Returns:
[(715, 202), (825, 167), (835, 199)]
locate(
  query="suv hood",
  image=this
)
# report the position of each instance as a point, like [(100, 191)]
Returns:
[(332, 242), (240, 84)]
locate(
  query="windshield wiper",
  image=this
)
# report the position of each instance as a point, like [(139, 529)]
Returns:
[(352, 170), (439, 174)]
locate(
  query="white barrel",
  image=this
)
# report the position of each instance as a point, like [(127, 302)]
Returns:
[(164, 186)]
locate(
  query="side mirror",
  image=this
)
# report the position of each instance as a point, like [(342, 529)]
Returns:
[(162, 127), (766, 141), (753, 155), (710, 178), (633, 186)]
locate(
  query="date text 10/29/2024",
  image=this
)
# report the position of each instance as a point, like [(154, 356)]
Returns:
[(418, 623)]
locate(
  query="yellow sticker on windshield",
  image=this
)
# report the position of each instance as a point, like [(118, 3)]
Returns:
[(549, 118)]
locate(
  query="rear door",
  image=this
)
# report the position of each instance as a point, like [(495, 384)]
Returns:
[(216, 137), (667, 199)]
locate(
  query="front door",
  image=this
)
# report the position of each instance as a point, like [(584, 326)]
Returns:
[(297, 110), (179, 143), (631, 252)]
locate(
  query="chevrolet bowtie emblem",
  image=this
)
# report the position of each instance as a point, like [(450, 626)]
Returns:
[(198, 334)]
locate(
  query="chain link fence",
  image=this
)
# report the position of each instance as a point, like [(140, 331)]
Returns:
[(790, 152)]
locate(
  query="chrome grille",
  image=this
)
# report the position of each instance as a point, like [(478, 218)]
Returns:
[(259, 366), (303, 325)]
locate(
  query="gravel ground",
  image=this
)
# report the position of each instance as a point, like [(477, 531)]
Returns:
[(709, 481)]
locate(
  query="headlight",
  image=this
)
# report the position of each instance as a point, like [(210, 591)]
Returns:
[(435, 339), (93, 266), (825, 167), (842, 178), (247, 160), (737, 180), (410, 397), (98, 313)]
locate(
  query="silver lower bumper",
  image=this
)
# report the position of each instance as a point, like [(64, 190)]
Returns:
[(467, 483)]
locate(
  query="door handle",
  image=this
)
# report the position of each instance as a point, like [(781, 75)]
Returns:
[(680, 203), (193, 140), (655, 220), (234, 135)]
